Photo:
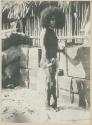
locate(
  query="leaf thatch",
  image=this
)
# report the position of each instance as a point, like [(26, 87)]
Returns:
[(22, 8)]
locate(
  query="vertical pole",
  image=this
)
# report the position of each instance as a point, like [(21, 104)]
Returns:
[(28, 66), (66, 57)]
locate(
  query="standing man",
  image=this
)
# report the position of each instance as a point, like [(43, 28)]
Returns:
[(49, 44)]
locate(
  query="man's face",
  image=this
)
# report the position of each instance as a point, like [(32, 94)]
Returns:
[(52, 22)]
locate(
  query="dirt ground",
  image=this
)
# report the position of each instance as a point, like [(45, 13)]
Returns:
[(23, 105)]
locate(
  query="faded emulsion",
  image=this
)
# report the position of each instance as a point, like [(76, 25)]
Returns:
[(45, 61)]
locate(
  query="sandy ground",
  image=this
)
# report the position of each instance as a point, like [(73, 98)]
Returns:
[(23, 105)]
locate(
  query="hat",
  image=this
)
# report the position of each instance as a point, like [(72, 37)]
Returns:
[(48, 12)]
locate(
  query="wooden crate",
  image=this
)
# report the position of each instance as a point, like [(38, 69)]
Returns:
[(34, 57)]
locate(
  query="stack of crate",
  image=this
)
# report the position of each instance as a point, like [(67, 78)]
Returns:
[(74, 86), (29, 63)]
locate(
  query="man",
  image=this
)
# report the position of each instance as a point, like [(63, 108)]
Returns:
[(49, 44)]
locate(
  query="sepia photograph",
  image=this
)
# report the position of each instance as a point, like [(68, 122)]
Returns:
[(45, 61)]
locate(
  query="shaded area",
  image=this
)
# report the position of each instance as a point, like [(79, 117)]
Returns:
[(12, 57), (20, 118), (16, 39), (82, 56)]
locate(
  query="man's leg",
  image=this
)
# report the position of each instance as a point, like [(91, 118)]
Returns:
[(48, 82), (48, 94), (54, 96), (53, 88)]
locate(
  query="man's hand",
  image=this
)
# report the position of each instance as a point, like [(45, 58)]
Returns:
[(63, 50), (53, 61)]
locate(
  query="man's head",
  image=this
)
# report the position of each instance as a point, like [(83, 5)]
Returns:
[(52, 22), (52, 16)]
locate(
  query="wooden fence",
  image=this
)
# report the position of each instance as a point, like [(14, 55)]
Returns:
[(77, 15), (75, 21)]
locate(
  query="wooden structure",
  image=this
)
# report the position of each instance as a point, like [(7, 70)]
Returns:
[(27, 17)]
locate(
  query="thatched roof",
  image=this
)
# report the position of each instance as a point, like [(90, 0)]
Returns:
[(12, 9), (22, 8)]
